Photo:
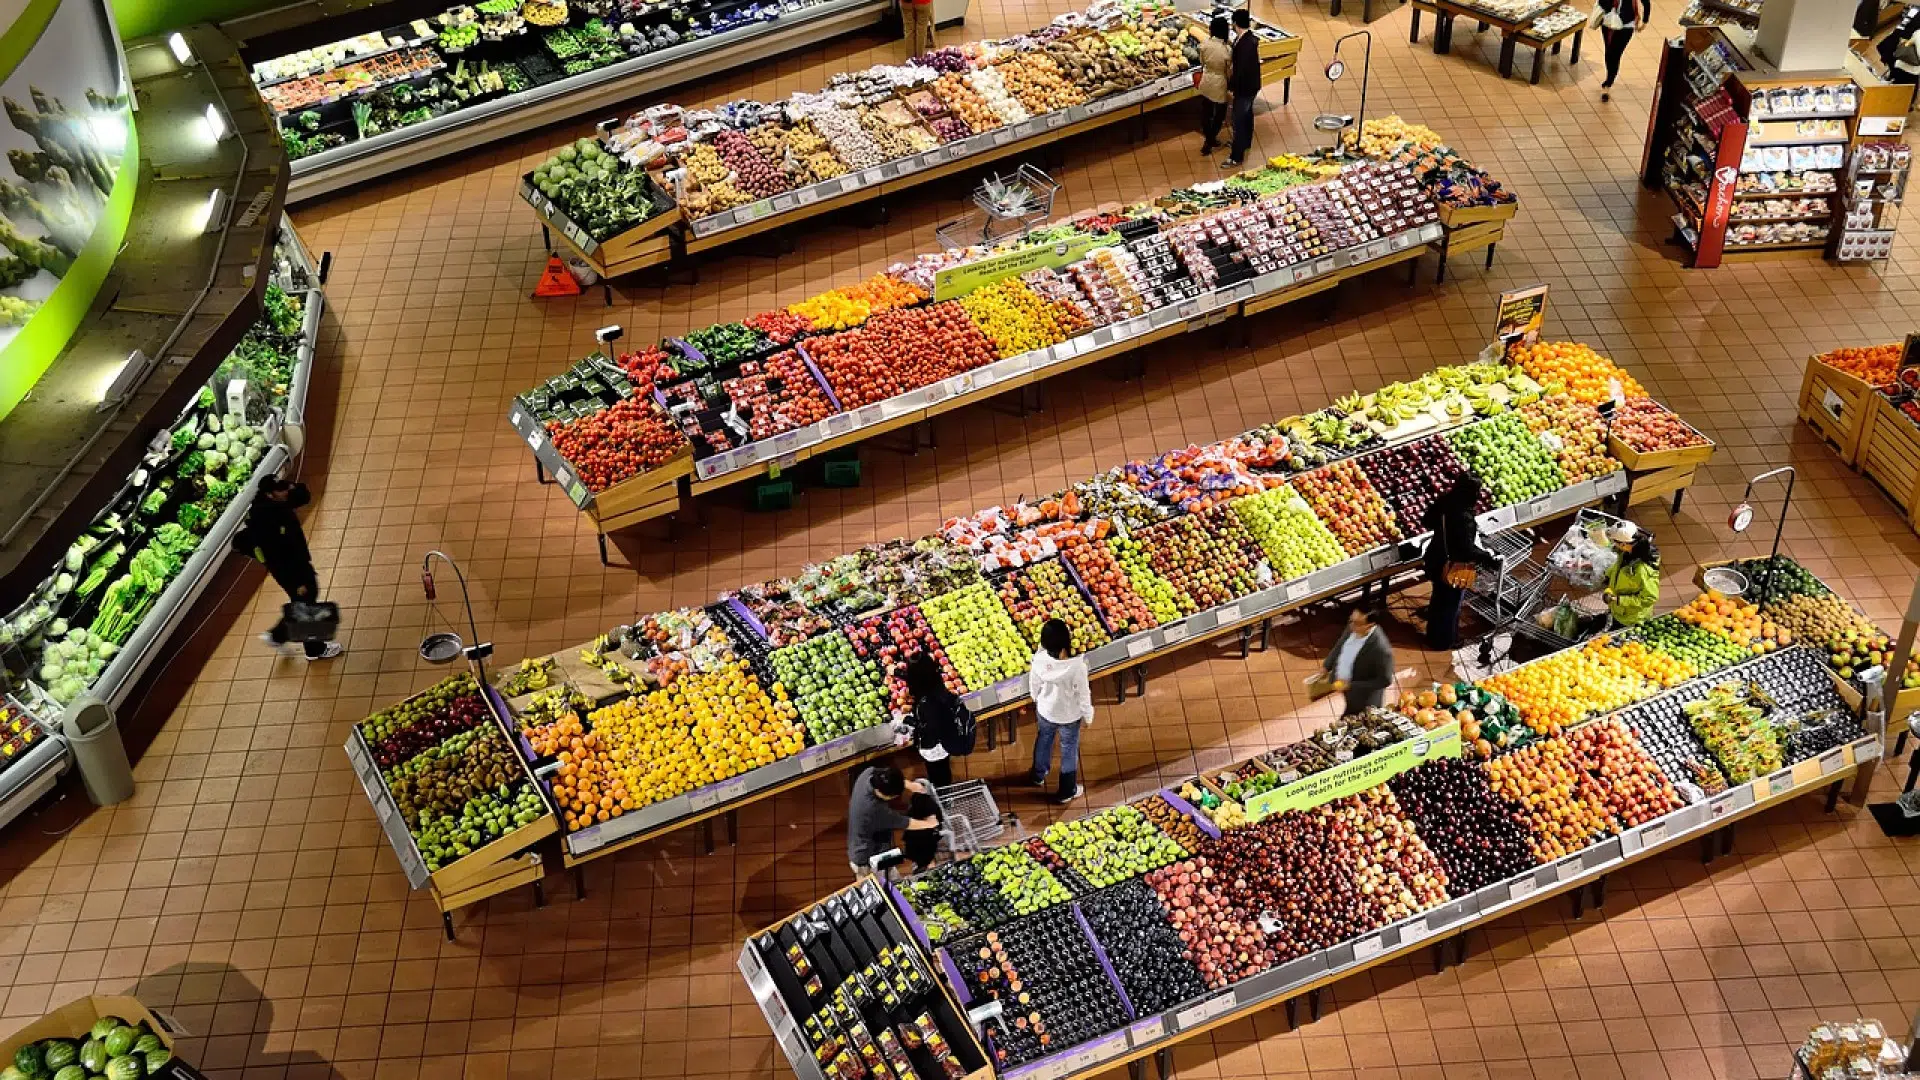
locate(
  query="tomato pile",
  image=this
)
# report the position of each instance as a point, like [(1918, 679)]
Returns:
[(620, 442)]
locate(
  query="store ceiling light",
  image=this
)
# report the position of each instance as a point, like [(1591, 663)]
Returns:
[(216, 210), (216, 122), (178, 43)]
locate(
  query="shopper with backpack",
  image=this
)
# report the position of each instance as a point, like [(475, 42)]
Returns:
[(941, 726)]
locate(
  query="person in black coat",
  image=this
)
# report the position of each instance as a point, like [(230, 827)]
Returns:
[(932, 719), (273, 537), (1361, 663), (1456, 542), (1243, 83), (1618, 21)]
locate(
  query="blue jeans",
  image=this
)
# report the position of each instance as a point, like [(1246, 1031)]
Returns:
[(1069, 736)]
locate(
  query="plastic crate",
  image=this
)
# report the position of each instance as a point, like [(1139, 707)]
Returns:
[(773, 495), (841, 469)]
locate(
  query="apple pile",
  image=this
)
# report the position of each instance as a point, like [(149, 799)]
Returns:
[(1209, 557), (1478, 836), (1120, 607), (1224, 940), (836, 691), (1509, 459), (981, 641), (1112, 845), (1646, 425), (1702, 650), (1575, 432), (444, 709), (1042, 591), (1162, 599), (1634, 789), (1346, 501), (1394, 866), (1412, 475), (1566, 809), (617, 443), (1296, 542), (889, 640)]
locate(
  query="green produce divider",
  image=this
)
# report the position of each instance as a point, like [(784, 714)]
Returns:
[(960, 280), (1359, 774)]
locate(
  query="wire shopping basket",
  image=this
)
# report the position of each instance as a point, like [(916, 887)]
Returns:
[(971, 819)]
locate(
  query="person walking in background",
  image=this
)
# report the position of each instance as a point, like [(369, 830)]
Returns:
[(1361, 663), (272, 536), (935, 709), (916, 16), (1633, 581), (1243, 82), (1216, 56), (1618, 21), (1064, 699), (1452, 558), (872, 818)]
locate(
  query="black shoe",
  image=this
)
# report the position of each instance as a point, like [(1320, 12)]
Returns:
[(1036, 780), (1234, 163), (1604, 96), (1070, 789)]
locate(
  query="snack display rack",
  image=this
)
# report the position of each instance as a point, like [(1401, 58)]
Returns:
[(1439, 922), (637, 662), (1754, 159), (1540, 25), (1744, 13), (491, 113), (1870, 201), (49, 652), (678, 233)]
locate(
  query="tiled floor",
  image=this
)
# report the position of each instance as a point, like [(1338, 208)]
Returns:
[(247, 889)]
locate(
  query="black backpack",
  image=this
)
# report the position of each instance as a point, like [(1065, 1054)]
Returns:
[(962, 732)]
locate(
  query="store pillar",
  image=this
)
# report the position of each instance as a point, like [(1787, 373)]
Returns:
[(1804, 35)]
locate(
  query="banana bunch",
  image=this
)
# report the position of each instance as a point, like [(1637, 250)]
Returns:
[(1339, 432), (532, 674), (553, 704)]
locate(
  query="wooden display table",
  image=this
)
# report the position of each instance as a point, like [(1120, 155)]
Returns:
[(1837, 406), (1513, 32), (1470, 228), (1890, 455)]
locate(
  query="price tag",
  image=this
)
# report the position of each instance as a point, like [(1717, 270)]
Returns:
[(535, 441), (839, 423), (1368, 947), (1567, 869), (1146, 1031), (1866, 750), (782, 203), (1003, 136), (383, 808), (1521, 889), (1229, 613), (1646, 836), (750, 964), (1174, 634), (984, 377), (704, 799), (1833, 761), (1055, 119), (1720, 806), (1189, 309), (1411, 931), (1159, 317), (1298, 590), (868, 415), (1431, 231), (937, 392), (1780, 783), (1193, 1016), (1139, 646), (564, 477), (807, 195)]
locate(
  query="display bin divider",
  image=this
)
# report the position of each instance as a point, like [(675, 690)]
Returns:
[(1106, 963), (748, 617), (819, 377), (1204, 823), (959, 985)]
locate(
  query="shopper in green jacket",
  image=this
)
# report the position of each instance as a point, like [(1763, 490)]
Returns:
[(1633, 582)]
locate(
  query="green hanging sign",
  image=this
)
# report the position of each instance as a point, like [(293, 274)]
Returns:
[(1353, 777)]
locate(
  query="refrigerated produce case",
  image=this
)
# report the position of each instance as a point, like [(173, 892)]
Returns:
[(97, 621)]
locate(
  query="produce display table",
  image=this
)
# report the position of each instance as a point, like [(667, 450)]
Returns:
[(1837, 405), (1890, 453), (660, 241), (1541, 45), (1581, 872), (1513, 32), (1470, 229), (576, 95)]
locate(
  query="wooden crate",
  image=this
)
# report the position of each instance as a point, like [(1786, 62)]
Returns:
[(1454, 217), (1637, 461), (1890, 453), (645, 490), (1658, 484), (1836, 406)]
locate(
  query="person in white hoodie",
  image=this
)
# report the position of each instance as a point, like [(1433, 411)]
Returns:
[(1064, 699)]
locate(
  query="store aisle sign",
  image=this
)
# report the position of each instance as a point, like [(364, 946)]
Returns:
[(1359, 774)]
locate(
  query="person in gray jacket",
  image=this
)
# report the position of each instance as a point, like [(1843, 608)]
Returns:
[(1361, 662)]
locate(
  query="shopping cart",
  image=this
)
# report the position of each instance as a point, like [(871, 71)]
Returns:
[(970, 819)]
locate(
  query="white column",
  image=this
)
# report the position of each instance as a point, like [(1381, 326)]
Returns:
[(1805, 35)]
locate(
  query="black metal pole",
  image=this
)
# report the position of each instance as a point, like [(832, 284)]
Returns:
[(1780, 526)]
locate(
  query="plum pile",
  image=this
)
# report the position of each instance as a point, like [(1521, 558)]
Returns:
[(1478, 837), (954, 899), (1144, 948)]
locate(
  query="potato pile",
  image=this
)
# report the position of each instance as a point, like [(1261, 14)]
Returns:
[(1035, 78), (964, 101)]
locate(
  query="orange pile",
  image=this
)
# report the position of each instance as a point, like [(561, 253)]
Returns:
[(1565, 810), (585, 785), (1575, 368), (1736, 620), (1876, 364)]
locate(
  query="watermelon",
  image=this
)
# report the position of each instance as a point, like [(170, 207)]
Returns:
[(157, 1060), (104, 1025), (58, 1054), (147, 1043), (124, 1068), (11, 1073), (119, 1042), (29, 1060), (71, 1072), (93, 1055)]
